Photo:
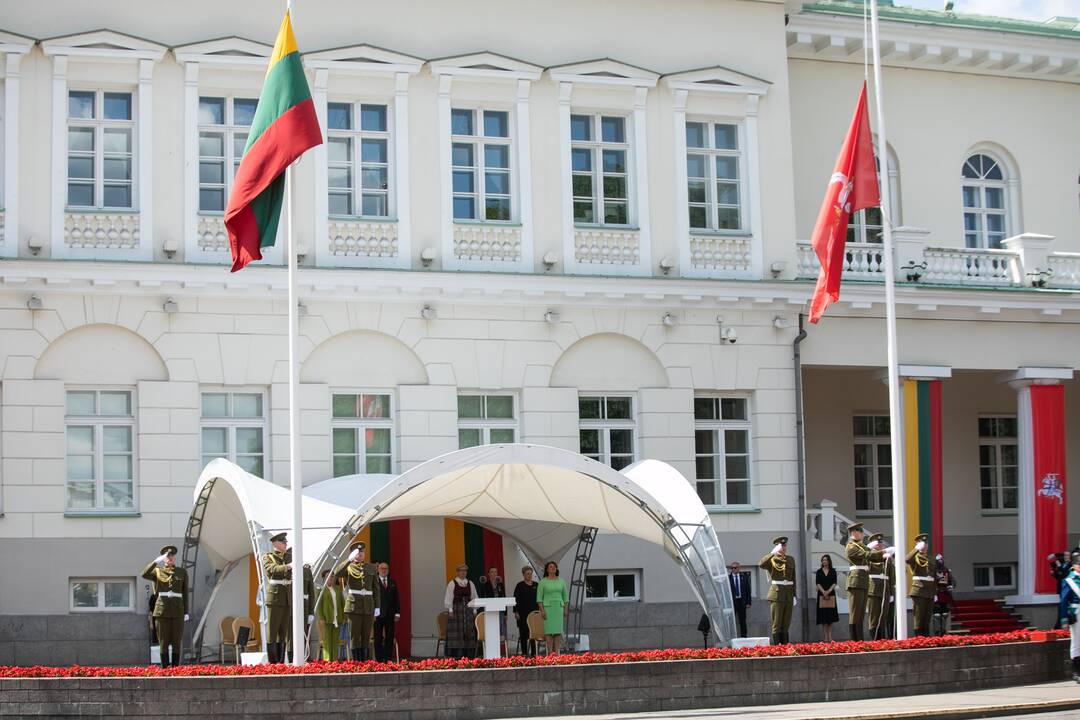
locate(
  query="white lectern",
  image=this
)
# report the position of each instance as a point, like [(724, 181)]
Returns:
[(492, 607)]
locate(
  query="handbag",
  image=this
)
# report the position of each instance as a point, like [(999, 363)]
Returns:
[(827, 602)]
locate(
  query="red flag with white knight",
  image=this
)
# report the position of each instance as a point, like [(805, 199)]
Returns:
[(852, 187)]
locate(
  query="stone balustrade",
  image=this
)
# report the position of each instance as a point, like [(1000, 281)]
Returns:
[(101, 230), (362, 239), (969, 266), (484, 242), (1064, 270), (211, 235), (721, 253), (862, 261), (604, 246)]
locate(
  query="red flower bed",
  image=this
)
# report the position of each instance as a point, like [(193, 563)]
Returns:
[(350, 666)]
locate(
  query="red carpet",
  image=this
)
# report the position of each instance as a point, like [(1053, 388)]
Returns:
[(983, 616)]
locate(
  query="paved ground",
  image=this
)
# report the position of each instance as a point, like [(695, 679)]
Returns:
[(1049, 701)]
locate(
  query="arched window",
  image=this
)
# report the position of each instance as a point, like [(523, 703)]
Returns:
[(985, 214), (866, 225)]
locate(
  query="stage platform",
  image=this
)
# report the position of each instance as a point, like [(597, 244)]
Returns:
[(539, 691)]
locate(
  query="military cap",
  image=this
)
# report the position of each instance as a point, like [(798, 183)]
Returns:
[(877, 536), (780, 540), (1075, 557), (169, 550), (856, 527), (280, 537), (358, 545), (922, 537)]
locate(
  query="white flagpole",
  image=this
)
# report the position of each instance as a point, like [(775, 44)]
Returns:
[(896, 418), (299, 653)]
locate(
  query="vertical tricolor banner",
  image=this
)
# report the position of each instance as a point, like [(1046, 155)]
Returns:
[(390, 542), (1048, 440), (922, 460), (477, 547)]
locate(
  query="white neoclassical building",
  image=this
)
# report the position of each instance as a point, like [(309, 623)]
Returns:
[(555, 224)]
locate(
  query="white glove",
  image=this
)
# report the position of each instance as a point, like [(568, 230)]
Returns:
[(354, 554), (289, 565), (160, 560), (794, 601), (890, 551), (310, 619), (874, 545), (397, 616), (186, 617), (1050, 557), (776, 550), (376, 612), (920, 546)]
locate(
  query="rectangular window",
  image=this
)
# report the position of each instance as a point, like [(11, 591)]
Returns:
[(599, 166), (480, 152), (713, 189), (873, 464), (100, 427), (101, 594), (234, 427), (486, 420), (223, 134), (722, 450), (362, 428), (998, 464), (613, 585), (607, 429), (358, 159), (1000, 576), (101, 150)]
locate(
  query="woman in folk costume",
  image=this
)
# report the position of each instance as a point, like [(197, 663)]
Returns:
[(460, 624), (1068, 610)]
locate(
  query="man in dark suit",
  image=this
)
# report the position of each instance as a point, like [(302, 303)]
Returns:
[(387, 613), (740, 596)]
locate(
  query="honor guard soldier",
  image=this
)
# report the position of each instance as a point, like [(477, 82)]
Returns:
[(923, 585), (858, 579), (277, 567), (879, 592), (781, 571), (361, 599), (1068, 609), (171, 606)]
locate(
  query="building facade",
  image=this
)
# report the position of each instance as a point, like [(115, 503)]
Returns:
[(506, 239)]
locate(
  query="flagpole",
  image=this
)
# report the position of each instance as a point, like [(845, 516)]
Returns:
[(896, 421)]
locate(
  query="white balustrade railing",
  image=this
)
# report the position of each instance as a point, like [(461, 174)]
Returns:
[(725, 253), (498, 243), (601, 246), (101, 230), (211, 235), (969, 266), (362, 238), (862, 261), (1064, 270)]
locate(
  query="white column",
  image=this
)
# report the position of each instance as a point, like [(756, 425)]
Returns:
[(753, 186), (682, 218), (446, 215), (320, 225), (569, 259), (145, 132), (9, 244), (402, 194), (59, 155), (191, 162), (641, 181), (524, 175)]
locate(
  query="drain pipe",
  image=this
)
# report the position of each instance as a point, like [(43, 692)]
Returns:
[(800, 466)]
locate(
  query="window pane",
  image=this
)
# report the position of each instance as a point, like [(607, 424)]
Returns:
[(211, 111), (80, 467), (497, 183), (699, 217), (80, 402), (496, 124), (884, 455), (881, 425), (705, 443), (613, 129), (117, 196), (211, 144), (461, 122), (373, 151), (696, 166), (615, 213), (247, 405), (1002, 575), (80, 495), (581, 159), (1008, 498), (212, 172), (344, 406), (462, 155), (1007, 427), (497, 156), (84, 595), (339, 177), (589, 442), (338, 149), (727, 137), (622, 441), (374, 179), (344, 465), (81, 139), (468, 406), (862, 500), (244, 112), (596, 586), (378, 464), (80, 195), (614, 161), (463, 181), (115, 403), (80, 441), (375, 406), (697, 191), (738, 493), (116, 467), (373, 118), (582, 185), (727, 168), (580, 127), (736, 468), (502, 435), (736, 442), (982, 576), (987, 499), (465, 208), (344, 440), (618, 408), (468, 437), (375, 205), (861, 426), (727, 218), (584, 212), (618, 462), (252, 464), (215, 442), (624, 585), (117, 595), (500, 406), (727, 193), (733, 408), (707, 492), (705, 468), (117, 168), (863, 478), (972, 198), (589, 408), (81, 104), (377, 440), (995, 198), (695, 134), (340, 204), (339, 116), (497, 209), (81, 167), (705, 408), (116, 439), (249, 441), (117, 106), (212, 200)]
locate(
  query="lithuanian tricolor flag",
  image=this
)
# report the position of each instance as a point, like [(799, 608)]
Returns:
[(922, 461), (284, 127)]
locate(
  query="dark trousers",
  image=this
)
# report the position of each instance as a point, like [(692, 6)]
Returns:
[(740, 618), (384, 638), (523, 634), (170, 632)]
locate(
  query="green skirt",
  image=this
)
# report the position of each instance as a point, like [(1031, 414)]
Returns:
[(553, 623)]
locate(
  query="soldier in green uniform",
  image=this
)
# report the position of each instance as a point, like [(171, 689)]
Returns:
[(923, 585), (858, 579), (171, 608), (277, 567), (879, 592), (781, 570), (361, 600)]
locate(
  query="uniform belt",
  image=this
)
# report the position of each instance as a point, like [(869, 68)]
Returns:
[(879, 577), (782, 582), (923, 578), (167, 593), (859, 567), (360, 592), (280, 582), (305, 597)]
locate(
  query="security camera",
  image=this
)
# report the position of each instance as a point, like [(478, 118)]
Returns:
[(729, 335)]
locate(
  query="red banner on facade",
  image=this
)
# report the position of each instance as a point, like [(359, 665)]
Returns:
[(1048, 435)]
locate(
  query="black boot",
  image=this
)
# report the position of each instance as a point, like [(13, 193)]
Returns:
[(775, 639), (851, 632), (363, 654), (356, 654), (1076, 669), (165, 656)]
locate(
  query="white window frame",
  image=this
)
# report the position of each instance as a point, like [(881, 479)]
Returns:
[(596, 146), (610, 576), (605, 425), (356, 163), (98, 422), (991, 567), (712, 204), (980, 186), (231, 160), (998, 488), (101, 608), (360, 424), (232, 423), (478, 141), (718, 427), (875, 488), (485, 424), (99, 124)]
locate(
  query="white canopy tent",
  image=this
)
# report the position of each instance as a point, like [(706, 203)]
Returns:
[(539, 497)]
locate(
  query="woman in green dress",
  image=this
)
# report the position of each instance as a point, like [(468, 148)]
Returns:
[(554, 601)]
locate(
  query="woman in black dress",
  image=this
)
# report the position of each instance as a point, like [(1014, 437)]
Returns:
[(825, 579), (525, 603)]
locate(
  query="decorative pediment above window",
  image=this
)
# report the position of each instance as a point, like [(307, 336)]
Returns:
[(228, 52), (363, 60), (486, 66), (104, 45), (717, 80), (604, 71)]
